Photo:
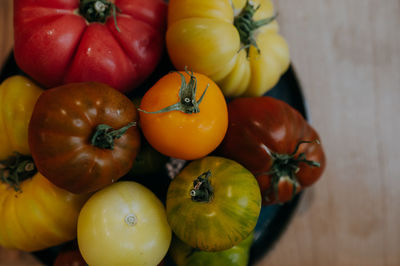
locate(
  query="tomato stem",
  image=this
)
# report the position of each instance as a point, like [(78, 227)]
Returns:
[(98, 11), (202, 190), (187, 97), (16, 169), (246, 26), (105, 135), (286, 166)]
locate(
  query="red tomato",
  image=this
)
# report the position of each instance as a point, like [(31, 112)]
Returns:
[(55, 44), (276, 144)]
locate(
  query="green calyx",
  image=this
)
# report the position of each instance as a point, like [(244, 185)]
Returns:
[(202, 190), (246, 26), (286, 166), (187, 97), (98, 11), (16, 169), (105, 136)]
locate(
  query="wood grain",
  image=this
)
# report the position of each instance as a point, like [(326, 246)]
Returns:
[(347, 56)]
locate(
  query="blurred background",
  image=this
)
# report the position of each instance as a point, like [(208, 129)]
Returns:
[(347, 57)]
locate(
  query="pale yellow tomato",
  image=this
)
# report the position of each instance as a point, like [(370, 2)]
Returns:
[(123, 224), (221, 39)]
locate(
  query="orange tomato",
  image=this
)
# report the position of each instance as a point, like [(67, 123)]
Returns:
[(187, 134)]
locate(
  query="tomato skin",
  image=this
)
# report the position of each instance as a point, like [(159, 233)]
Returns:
[(62, 125), (40, 216), (106, 238), (228, 218), (202, 36), (238, 255), (263, 125), (177, 134), (55, 45), (18, 96), (70, 256)]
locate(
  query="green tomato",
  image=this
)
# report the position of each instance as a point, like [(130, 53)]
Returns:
[(123, 224), (238, 255), (213, 204)]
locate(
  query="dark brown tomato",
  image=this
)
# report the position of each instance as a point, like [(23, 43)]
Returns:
[(61, 136), (275, 142)]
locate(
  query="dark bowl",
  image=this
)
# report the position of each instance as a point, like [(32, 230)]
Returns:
[(273, 219)]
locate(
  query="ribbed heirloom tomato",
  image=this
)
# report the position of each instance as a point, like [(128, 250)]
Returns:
[(83, 136), (117, 42), (39, 215), (184, 115), (234, 42)]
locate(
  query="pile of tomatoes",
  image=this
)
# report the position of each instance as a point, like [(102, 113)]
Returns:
[(75, 134)]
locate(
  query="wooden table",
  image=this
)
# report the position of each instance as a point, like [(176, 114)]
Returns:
[(347, 55)]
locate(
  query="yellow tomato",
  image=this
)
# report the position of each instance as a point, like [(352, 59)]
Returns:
[(38, 216), (204, 36), (123, 224), (18, 96)]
